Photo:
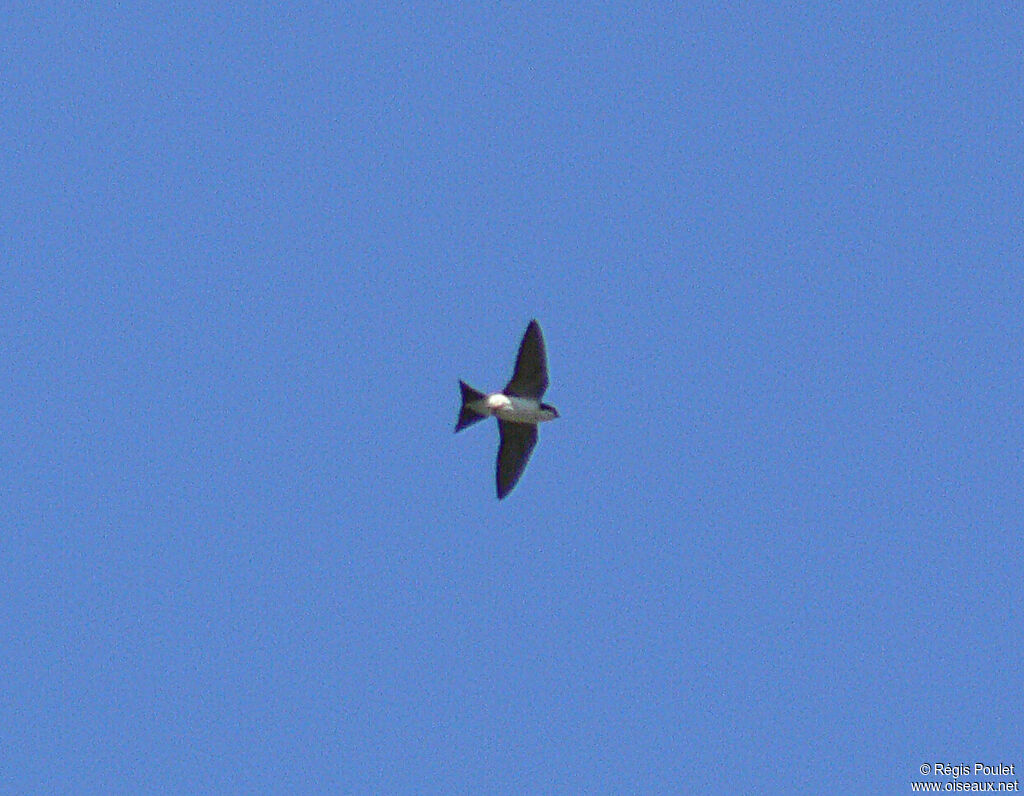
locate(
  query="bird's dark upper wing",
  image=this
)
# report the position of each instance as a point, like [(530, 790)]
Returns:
[(530, 378), (517, 441)]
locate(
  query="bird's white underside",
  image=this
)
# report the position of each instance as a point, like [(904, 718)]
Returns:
[(512, 408)]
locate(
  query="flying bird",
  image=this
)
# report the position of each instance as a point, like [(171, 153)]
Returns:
[(518, 409)]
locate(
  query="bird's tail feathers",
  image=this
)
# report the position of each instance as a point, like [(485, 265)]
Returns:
[(467, 416)]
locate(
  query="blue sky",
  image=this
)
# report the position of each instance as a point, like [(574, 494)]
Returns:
[(773, 544)]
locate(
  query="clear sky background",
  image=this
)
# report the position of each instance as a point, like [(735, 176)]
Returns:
[(772, 545)]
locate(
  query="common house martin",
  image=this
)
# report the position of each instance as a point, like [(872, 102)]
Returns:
[(518, 408)]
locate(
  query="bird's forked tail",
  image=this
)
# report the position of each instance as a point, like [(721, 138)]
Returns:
[(467, 416)]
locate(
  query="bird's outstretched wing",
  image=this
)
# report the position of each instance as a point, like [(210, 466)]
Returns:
[(517, 441), (530, 378)]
